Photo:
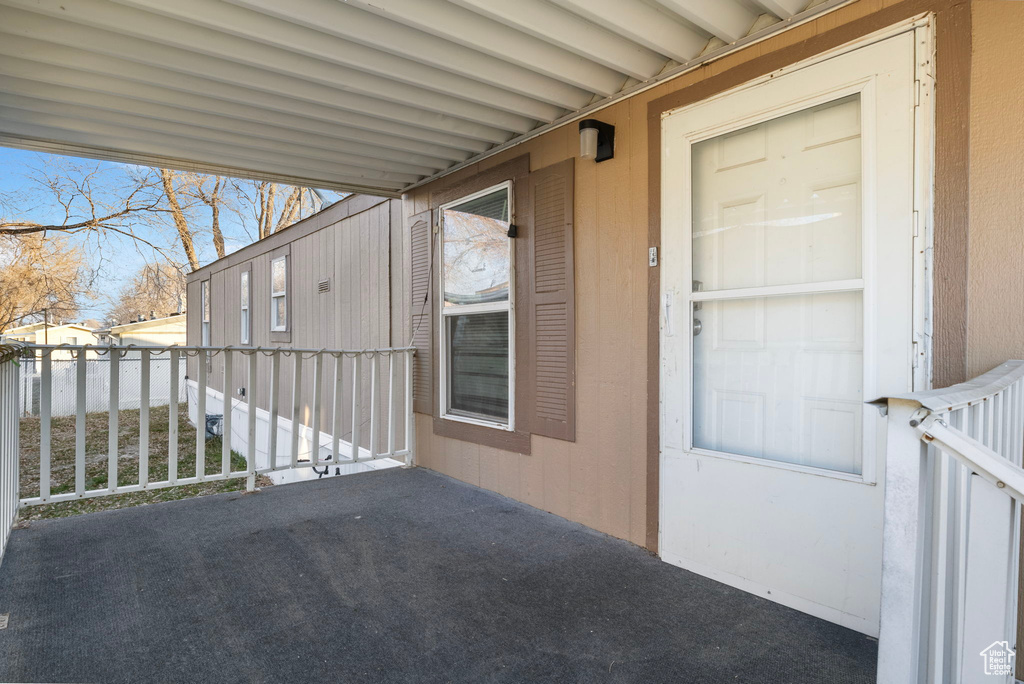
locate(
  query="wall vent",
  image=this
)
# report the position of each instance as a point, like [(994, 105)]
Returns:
[(324, 286)]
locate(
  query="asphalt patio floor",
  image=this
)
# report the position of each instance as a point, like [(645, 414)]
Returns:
[(389, 576)]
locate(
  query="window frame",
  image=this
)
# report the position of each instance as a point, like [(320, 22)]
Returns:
[(245, 306), (275, 295), (447, 312), (206, 314)]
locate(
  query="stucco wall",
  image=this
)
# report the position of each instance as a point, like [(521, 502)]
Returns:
[(995, 321), (606, 479)]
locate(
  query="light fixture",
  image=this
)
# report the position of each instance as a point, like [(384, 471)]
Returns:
[(597, 140)]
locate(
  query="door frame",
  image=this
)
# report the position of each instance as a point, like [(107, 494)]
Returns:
[(920, 356)]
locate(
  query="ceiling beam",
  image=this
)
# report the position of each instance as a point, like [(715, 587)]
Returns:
[(643, 24), (349, 163), (459, 25), (571, 32), (23, 54), (344, 21), (147, 39), (65, 147), (784, 9), (282, 35), (725, 19), (176, 141), (168, 112)]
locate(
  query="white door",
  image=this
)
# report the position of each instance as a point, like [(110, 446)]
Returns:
[(787, 292)]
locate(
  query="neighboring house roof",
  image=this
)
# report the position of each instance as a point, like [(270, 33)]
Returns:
[(144, 325), (25, 329)]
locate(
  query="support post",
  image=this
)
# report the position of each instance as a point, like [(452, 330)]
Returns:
[(900, 638)]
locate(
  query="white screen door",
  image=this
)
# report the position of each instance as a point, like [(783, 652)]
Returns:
[(787, 291)]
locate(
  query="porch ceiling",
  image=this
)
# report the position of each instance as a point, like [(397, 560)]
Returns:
[(363, 95)]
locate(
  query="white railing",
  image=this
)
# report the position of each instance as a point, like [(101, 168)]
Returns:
[(950, 571), (9, 447), (289, 408)]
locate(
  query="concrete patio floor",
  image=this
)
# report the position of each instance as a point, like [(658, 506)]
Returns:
[(390, 576)]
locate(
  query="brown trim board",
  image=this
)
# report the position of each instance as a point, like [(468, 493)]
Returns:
[(952, 94)]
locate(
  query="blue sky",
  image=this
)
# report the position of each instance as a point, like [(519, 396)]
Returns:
[(116, 259)]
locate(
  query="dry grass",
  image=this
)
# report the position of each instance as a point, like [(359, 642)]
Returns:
[(62, 459)]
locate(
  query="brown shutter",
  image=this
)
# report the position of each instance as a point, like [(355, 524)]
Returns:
[(421, 308), (552, 408)]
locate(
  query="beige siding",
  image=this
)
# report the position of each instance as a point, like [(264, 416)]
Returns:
[(601, 480), (995, 324)]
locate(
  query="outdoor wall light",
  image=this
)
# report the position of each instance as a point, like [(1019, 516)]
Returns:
[(597, 140)]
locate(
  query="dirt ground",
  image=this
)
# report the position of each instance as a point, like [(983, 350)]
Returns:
[(62, 459)]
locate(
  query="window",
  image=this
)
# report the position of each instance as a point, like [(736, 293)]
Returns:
[(279, 294), (70, 340), (244, 317), (476, 314), (206, 312), (778, 373)]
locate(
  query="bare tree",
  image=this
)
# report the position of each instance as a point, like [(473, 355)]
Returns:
[(156, 288), (38, 273), (164, 213), (85, 203), (261, 196), (185, 232), (213, 199)]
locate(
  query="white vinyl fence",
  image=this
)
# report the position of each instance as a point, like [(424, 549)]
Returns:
[(64, 373), (950, 572), (8, 441)]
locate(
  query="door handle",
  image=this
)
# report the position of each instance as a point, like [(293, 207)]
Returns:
[(697, 327)]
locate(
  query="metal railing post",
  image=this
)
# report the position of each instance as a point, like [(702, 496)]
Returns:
[(903, 558)]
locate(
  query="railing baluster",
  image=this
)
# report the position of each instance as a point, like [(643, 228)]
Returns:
[(250, 398), (374, 401), (45, 433), (201, 359), (391, 404), (225, 440), (275, 383), (357, 409), (80, 399), (296, 408), (314, 452), (144, 368), (113, 418), (172, 417), (377, 394), (337, 407), (410, 419), (1018, 452)]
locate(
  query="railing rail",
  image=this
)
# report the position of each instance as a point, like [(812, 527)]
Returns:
[(242, 389), (9, 444), (952, 531)]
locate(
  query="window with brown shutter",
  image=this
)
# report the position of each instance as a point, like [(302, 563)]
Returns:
[(421, 248), (545, 386), (552, 310)]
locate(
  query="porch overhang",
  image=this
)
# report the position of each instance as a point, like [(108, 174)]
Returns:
[(362, 96)]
